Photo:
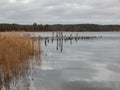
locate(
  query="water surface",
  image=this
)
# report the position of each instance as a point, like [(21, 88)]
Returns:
[(92, 64), (85, 64)]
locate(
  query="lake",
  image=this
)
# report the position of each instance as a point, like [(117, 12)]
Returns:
[(91, 64), (81, 65)]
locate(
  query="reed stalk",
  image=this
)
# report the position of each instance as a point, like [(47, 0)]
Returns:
[(15, 53)]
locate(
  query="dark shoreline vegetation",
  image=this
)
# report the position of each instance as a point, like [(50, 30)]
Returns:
[(17, 53), (57, 27)]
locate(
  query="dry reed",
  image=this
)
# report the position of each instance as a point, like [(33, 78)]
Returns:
[(15, 53)]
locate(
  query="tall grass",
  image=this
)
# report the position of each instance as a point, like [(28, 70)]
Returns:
[(15, 53)]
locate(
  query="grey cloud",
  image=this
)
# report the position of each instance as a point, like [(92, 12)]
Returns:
[(60, 11)]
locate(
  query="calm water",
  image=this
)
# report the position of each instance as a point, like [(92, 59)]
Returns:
[(92, 64), (79, 65)]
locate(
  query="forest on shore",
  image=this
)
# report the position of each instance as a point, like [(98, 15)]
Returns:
[(58, 27)]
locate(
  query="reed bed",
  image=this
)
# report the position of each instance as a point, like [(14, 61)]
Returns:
[(16, 51)]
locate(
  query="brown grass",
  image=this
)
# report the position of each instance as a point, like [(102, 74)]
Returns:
[(15, 53)]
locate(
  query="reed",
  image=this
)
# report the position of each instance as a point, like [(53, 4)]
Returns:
[(15, 53)]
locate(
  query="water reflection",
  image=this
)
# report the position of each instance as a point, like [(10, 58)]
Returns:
[(91, 64), (15, 79), (84, 85)]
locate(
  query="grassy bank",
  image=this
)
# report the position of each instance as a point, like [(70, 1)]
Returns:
[(15, 53)]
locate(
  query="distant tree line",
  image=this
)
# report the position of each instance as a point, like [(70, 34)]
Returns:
[(58, 27)]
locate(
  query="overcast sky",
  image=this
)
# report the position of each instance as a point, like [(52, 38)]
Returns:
[(60, 11)]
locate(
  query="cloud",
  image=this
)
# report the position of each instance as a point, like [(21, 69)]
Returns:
[(20, 1), (60, 11)]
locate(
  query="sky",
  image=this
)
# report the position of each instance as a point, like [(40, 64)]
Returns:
[(60, 11)]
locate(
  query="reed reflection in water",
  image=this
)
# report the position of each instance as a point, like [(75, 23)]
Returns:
[(18, 56)]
